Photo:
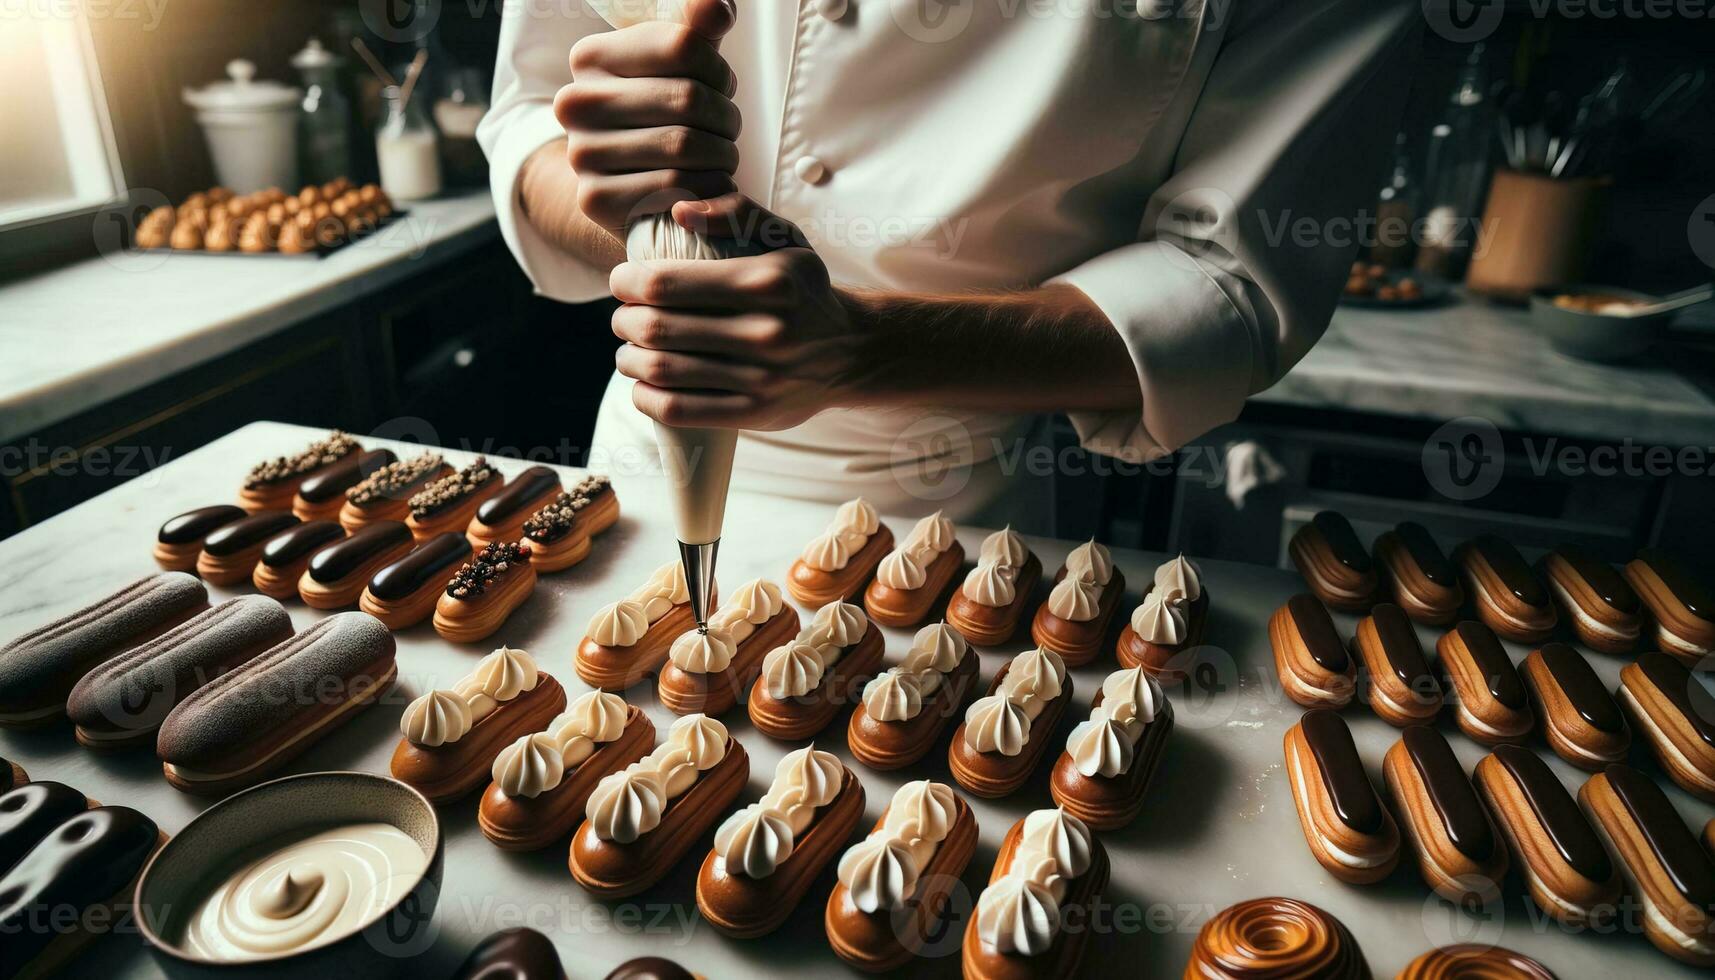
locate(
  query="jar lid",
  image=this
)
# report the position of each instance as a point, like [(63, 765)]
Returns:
[(313, 56), (243, 93)]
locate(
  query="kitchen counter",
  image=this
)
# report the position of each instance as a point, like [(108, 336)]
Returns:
[(1470, 357), (81, 335), (1220, 825)]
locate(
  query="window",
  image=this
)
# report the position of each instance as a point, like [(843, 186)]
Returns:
[(59, 156)]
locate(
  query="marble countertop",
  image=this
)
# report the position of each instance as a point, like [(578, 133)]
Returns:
[(77, 336), (1220, 826), (1474, 358)]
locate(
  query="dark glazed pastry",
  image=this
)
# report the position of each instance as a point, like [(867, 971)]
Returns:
[(1680, 603), (1675, 715), (1267, 938), (1312, 663), (1580, 719), (1474, 962), (87, 861), (1601, 608), (1565, 867), (336, 575), (235, 731), (39, 669), (404, 593), (1422, 580), (1400, 689), (1334, 563), (1348, 829), (651, 968), (1505, 591), (122, 702), (512, 954), (1459, 852), (229, 554), (322, 493), (30, 813), (1488, 695), (271, 485), (501, 517), (180, 540), (449, 503), (287, 555), (1665, 868)]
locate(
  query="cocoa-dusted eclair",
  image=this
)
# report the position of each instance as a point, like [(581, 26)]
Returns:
[(1349, 831), (336, 575), (452, 736), (246, 724), (1269, 938), (1005, 734), (1032, 919), (988, 606), (513, 954), (179, 542), (892, 895), (642, 820), (1474, 961), (1314, 668), (1400, 689), (1664, 866), (1168, 621), (628, 640), (1104, 774), (501, 517), (122, 702), (837, 564), (1579, 718), (1074, 620), (1508, 596), (287, 555), (322, 494), (272, 484), (1601, 608), (1675, 715), (560, 533), (1459, 852), (543, 781), (709, 669), (1489, 698), (767, 855), (1566, 869), (1418, 574), (404, 593), (29, 813), (904, 709), (1334, 563), (82, 873), (450, 502), (484, 592), (805, 682), (385, 494), (910, 579), (39, 669), (229, 554), (1680, 602)]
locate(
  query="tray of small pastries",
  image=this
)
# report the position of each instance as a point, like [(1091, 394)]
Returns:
[(360, 707), (317, 221)]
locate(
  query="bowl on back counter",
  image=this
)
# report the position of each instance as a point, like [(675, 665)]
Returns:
[(1606, 323)]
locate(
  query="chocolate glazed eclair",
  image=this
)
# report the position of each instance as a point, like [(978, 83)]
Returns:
[(322, 494), (1348, 829), (29, 813), (1565, 867), (1675, 714), (1601, 608), (1312, 663), (1505, 591), (1423, 581), (1400, 689), (1334, 563), (404, 593), (287, 555), (1488, 695), (1458, 851), (180, 540), (501, 517), (1582, 723), (337, 574), (229, 554), (1680, 602)]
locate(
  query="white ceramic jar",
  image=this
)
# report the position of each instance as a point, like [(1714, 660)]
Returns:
[(252, 129)]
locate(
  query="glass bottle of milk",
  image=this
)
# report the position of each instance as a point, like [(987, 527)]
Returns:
[(406, 147)]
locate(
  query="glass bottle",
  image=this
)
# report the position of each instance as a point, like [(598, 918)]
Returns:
[(407, 149), (326, 121), (1396, 212), (1459, 180)]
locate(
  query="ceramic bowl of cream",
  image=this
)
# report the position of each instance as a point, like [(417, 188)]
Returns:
[(316, 875)]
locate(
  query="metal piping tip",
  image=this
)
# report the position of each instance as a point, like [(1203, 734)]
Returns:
[(699, 562)]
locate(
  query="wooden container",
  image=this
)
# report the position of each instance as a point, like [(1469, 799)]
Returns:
[(1536, 232)]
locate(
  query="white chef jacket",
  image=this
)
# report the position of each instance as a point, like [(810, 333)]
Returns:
[(1193, 166)]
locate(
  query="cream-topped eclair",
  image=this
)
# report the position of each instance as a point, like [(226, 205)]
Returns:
[(1167, 622), (708, 669), (767, 855), (805, 682), (904, 709), (1033, 918), (837, 564), (628, 640), (543, 780), (1104, 773), (1005, 734), (641, 820), (1074, 620), (990, 603), (912, 576)]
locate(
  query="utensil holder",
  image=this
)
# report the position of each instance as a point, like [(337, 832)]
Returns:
[(1536, 231)]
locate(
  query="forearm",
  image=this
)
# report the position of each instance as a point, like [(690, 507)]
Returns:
[(1040, 350), (548, 192)]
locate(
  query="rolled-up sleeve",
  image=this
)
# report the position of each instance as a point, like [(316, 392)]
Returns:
[(1243, 250), (535, 45)]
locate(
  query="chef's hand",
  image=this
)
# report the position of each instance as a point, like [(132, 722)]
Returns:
[(760, 342), (649, 116)]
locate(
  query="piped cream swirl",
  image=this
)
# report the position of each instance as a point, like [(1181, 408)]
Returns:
[(627, 804), (882, 870), (1019, 913), (442, 717), (754, 841), (538, 762)]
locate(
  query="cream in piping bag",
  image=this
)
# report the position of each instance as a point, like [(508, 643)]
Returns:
[(698, 462)]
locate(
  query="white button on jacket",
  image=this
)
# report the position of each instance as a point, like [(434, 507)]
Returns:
[(1192, 165)]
